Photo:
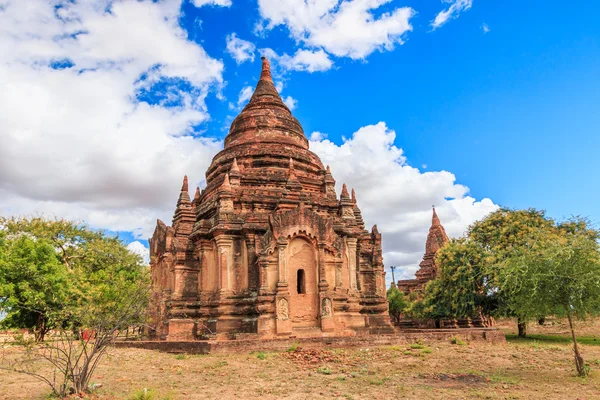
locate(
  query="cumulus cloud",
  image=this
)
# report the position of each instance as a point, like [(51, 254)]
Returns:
[(245, 95), (290, 102), (344, 28), (141, 250), (396, 196), (485, 28), (241, 50), (220, 3), (302, 60), (306, 60), (456, 7), (98, 110)]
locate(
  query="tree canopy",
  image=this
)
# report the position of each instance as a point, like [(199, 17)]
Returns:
[(518, 263), (51, 268)]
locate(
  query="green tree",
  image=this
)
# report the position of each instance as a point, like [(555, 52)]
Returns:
[(51, 265), (80, 283), (467, 285), (558, 274), (398, 303), (33, 282)]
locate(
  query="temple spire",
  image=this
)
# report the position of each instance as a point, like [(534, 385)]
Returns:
[(265, 74), (225, 186), (344, 194), (435, 221), (183, 211), (234, 167)]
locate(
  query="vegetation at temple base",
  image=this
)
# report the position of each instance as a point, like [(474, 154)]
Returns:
[(398, 303), (81, 285), (520, 264)]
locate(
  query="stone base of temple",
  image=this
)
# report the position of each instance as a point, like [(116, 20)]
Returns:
[(247, 343), (266, 327)]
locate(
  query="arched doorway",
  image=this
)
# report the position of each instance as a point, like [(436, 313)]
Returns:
[(302, 278)]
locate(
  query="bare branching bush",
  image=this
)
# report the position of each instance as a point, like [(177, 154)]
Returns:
[(68, 358)]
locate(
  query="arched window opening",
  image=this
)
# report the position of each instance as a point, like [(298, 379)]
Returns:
[(300, 282)]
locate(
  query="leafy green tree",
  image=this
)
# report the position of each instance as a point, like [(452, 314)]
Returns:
[(558, 274), (33, 282), (398, 303), (469, 268), (55, 265), (83, 285)]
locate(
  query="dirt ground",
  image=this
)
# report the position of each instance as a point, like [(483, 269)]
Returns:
[(539, 368)]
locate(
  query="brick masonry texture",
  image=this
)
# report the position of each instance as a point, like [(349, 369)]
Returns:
[(267, 249)]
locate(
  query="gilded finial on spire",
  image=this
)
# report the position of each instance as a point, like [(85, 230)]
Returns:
[(265, 74)]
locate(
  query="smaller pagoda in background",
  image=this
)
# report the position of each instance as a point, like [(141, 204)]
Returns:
[(436, 238)]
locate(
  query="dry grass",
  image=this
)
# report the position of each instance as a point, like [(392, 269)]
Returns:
[(519, 370)]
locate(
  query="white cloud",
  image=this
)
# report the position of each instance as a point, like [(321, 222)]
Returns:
[(220, 3), (344, 28), (80, 137), (241, 50), (456, 7), (396, 196), (141, 250), (290, 102), (306, 60), (485, 28), (317, 136), (245, 95)]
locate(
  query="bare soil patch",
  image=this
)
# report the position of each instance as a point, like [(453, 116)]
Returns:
[(477, 370)]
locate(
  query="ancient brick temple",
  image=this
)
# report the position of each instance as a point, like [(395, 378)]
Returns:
[(436, 238), (267, 248)]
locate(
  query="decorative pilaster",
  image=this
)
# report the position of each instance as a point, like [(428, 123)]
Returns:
[(323, 284), (282, 283), (351, 248), (253, 273), (224, 263)]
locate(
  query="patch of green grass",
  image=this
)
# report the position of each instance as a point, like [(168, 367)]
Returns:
[(261, 355), (324, 370), (143, 394), (456, 340), (293, 347), (417, 346), (180, 357), (497, 377), (341, 378), (537, 339), (427, 351)]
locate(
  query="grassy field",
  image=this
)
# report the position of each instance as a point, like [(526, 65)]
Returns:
[(540, 367)]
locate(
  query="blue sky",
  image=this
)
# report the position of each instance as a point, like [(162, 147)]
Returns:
[(108, 104), (513, 113)]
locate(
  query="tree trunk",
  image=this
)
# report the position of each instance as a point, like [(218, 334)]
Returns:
[(40, 328), (522, 326), (579, 364)]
